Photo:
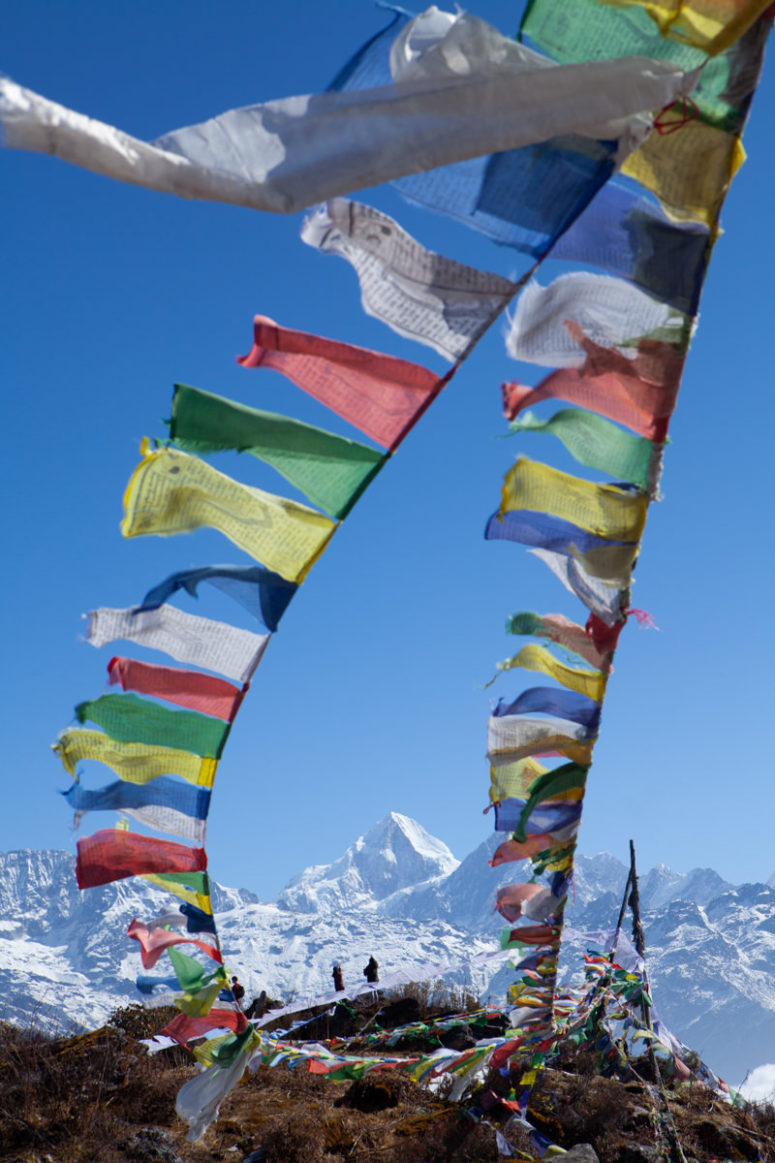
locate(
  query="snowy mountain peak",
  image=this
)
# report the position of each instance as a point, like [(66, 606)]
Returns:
[(396, 854)]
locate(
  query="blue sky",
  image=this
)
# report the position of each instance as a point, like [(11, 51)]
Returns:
[(370, 698)]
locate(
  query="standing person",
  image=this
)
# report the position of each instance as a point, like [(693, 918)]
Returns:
[(371, 972), (338, 978)]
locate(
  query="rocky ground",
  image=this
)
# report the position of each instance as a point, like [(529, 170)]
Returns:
[(99, 1097)]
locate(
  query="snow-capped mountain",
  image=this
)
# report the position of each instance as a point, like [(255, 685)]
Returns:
[(400, 894)]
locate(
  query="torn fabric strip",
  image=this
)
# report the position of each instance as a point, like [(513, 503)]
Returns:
[(287, 154), (134, 720), (185, 637), (379, 394), (419, 294), (114, 854), (591, 683), (134, 762), (330, 470), (261, 592), (561, 630), (186, 688), (171, 492)]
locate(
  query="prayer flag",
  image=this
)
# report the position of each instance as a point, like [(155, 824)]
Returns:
[(564, 704), (608, 511), (262, 593), (133, 720), (515, 816), (134, 762), (165, 804), (603, 598), (590, 683), (153, 942), (597, 443), (640, 392), (290, 153), (610, 312), (557, 628), (601, 557), (517, 736), (171, 492), (711, 25), (419, 294), (569, 778), (183, 1029), (381, 395), (187, 638), (191, 887), (186, 688), (331, 470), (512, 780), (114, 854), (186, 916)]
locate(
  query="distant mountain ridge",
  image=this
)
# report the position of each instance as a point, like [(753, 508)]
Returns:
[(397, 892)]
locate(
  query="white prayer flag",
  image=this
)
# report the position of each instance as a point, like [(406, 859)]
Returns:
[(186, 637)]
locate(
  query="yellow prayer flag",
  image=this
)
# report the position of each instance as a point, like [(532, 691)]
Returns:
[(612, 513), (132, 762), (591, 683), (711, 25), (689, 170), (198, 899), (171, 492), (514, 780)]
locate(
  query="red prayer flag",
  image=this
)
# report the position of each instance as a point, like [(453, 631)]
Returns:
[(639, 393), (381, 395), (183, 1028), (153, 942), (114, 854), (185, 688)]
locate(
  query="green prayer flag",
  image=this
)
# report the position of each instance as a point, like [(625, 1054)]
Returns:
[(191, 974), (551, 783), (330, 470), (598, 443), (130, 719)]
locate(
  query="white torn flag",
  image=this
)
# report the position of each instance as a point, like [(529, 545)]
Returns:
[(466, 94), (611, 312), (421, 295)]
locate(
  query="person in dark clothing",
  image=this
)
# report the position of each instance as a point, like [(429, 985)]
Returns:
[(336, 973), (371, 972), (238, 991)]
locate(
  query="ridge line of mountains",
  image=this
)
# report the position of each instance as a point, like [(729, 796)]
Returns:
[(399, 893)]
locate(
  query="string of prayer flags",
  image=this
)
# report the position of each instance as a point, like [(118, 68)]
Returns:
[(419, 294), (611, 312), (171, 492), (559, 629), (165, 805), (517, 736), (608, 511), (261, 592), (134, 762), (590, 683), (629, 236), (130, 719), (186, 688), (114, 854), (185, 637), (330, 470), (154, 942), (190, 886), (381, 395), (562, 704), (291, 153), (603, 598), (711, 25)]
